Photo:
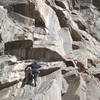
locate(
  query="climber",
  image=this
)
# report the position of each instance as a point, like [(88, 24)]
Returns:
[(33, 66), (32, 73)]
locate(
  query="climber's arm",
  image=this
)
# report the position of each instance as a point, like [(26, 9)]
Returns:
[(28, 67)]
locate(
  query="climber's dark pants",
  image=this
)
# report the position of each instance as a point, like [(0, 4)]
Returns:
[(35, 78), (28, 79)]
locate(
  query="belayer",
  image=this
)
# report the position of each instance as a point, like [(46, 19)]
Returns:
[(31, 72)]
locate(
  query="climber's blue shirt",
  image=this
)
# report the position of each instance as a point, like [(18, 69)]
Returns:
[(35, 71), (34, 66)]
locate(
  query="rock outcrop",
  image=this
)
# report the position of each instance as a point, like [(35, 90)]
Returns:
[(63, 36)]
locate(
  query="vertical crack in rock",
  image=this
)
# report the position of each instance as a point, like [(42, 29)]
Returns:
[(75, 35), (74, 85), (75, 4), (38, 20), (0, 38), (61, 17), (81, 26)]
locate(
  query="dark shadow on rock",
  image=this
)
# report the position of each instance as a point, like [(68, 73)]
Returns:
[(75, 35), (25, 9), (97, 4), (0, 38), (44, 72), (97, 75), (60, 4), (9, 46), (23, 50), (69, 63), (81, 67), (8, 84), (75, 47)]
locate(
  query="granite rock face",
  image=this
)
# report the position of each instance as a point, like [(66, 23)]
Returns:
[(63, 36)]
